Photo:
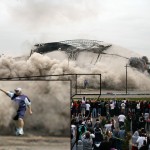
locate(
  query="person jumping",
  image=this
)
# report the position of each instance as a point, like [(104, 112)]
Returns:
[(23, 102)]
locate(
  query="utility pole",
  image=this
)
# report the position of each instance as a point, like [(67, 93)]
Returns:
[(68, 61), (126, 78)]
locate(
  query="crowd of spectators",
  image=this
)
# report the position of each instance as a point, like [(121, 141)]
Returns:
[(110, 124)]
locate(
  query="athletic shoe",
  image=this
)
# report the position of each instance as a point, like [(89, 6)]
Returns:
[(16, 131), (20, 131)]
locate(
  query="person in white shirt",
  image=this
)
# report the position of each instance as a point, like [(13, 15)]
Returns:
[(87, 113), (123, 105), (141, 140), (112, 106), (108, 126), (135, 136), (73, 136), (121, 119), (138, 107)]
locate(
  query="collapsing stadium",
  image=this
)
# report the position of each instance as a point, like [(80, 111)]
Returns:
[(72, 47)]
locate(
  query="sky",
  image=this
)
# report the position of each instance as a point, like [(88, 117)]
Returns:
[(24, 23)]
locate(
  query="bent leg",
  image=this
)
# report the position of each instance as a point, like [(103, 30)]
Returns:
[(20, 123)]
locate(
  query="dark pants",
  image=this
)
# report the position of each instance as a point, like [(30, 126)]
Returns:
[(121, 123)]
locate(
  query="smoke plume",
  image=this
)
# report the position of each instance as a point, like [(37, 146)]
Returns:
[(50, 98), (111, 67)]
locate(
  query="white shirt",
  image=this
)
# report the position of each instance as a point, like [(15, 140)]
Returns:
[(123, 105), (88, 107), (140, 141), (112, 106), (138, 106), (146, 116), (125, 101), (136, 133), (73, 127), (121, 118), (108, 127)]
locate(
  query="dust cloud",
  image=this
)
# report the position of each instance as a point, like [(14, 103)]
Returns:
[(111, 67), (49, 97)]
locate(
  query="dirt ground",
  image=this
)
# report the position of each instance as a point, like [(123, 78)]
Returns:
[(34, 143)]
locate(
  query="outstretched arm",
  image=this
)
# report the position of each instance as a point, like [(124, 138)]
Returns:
[(4, 91), (10, 94)]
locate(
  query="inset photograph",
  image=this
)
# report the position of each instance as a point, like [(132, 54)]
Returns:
[(34, 115)]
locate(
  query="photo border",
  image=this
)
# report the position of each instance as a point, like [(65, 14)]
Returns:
[(56, 80)]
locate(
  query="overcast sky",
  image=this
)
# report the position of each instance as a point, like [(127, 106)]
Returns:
[(122, 22)]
